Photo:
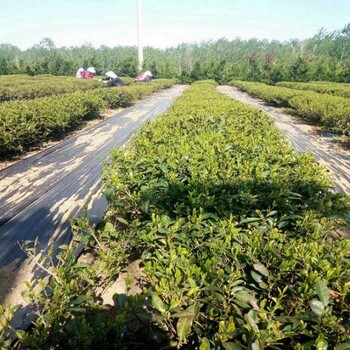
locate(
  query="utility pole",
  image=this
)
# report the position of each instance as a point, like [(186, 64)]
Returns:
[(139, 36)]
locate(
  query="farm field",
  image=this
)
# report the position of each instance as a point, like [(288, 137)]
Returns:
[(175, 175), (19, 87), (332, 112), (233, 231)]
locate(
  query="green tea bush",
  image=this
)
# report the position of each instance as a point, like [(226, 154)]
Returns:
[(21, 87), (29, 122), (330, 88), (270, 94), (330, 111)]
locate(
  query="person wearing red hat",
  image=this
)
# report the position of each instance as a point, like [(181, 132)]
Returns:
[(89, 73)]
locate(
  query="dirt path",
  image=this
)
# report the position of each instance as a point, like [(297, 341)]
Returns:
[(39, 194), (303, 137)]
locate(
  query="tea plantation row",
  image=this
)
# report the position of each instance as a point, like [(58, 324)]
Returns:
[(336, 89), (333, 112), (28, 122), (19, 87), (233, 230)]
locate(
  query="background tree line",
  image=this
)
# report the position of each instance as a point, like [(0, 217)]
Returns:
[(325, 56)]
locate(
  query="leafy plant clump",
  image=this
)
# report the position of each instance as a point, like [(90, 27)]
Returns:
[(234, 232), (331, 88)]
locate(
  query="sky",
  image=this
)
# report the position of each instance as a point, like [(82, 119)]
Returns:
[(165, 23)]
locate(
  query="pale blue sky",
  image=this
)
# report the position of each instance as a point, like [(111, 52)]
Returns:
[(166, 23)]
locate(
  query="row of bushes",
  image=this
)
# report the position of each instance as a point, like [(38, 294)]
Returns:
[(233, 231), (20, 87), (27, 123), (336, 89), (333, 112)]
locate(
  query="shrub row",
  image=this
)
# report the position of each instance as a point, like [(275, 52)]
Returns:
[(333, 112), (27, 123), (19, 88), (233, 229), (328, 88), (26, 87)]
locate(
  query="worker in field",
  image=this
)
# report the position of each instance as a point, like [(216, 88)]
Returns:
[(89, 73), (79, 73), (144, 77), (112, 79)]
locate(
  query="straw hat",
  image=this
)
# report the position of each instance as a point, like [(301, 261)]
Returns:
[(91, 70), (111, 74)]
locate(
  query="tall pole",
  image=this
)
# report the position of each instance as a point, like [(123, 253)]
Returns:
[(139, 36)]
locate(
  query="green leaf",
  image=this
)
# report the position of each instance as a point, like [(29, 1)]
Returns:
[(317, 307), (192, 282), (251, 321), (322, 292), (184, 323), (263, 285), (80, 266), (212, 288), (242, 304), (206, 216), (183, 327), (157, 303), (163, 230), (79, 300), (174, 303), (261, 268), (109, 227), (20, 334), (230, 327), (145, 205), (231, 346), (184, 313), (163, 167), (205, 344), (122, 220), (109, 195), (242, 298), (257, 278), (248, 220), (77, 309), (321, 343), (344, 346)]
